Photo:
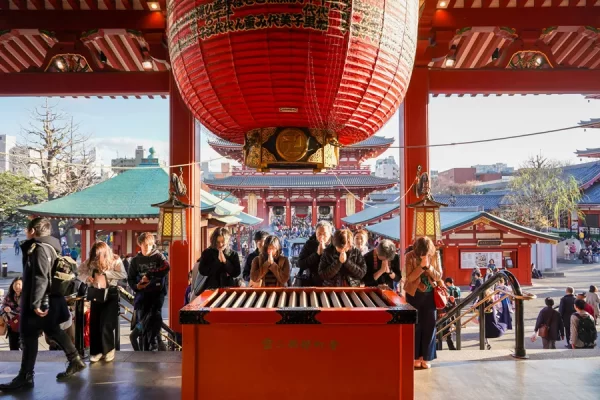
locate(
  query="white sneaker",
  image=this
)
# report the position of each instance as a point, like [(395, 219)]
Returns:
[(110, 356), (96, 358)]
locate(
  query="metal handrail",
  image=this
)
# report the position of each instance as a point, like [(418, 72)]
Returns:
[(472, 308), (125, 295), (128, 319), (519, 296)]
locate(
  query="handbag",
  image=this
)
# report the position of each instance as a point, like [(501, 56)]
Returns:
[(97, 295), (440, 296), (199, 284), (302, 279), (544, 329), (3, 326), (14, 323)]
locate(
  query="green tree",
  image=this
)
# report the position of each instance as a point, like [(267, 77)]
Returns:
[(540, 194), (16, 191)]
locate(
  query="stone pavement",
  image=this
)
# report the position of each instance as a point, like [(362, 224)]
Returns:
[(464, 375)]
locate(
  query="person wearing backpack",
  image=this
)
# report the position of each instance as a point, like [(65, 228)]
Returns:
[(41, 311), (583, 328)]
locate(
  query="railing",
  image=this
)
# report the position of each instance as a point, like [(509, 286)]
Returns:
[(168, 333), (477, 301), (79, 303)]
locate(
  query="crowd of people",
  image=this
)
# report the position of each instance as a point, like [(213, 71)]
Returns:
[(31, 307), (329, 258), (574, 322), (332, 259)]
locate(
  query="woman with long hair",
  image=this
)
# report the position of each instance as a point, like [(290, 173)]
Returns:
[(11, 311), (103, 270), (270, 268), (361, 241), (219, 262), (423, 274)]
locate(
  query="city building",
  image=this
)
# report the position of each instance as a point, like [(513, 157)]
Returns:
[(121, 164), (458, 175), (7, 144), (290, 197), (498, 168), (19, 161), (387, 168)]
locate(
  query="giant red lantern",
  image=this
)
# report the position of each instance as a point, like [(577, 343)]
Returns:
[(292, 79)]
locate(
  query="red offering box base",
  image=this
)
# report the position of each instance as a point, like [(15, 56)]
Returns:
[(347, 352)]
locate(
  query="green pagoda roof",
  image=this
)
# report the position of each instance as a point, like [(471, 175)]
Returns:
[(130, 195), (127, 195)]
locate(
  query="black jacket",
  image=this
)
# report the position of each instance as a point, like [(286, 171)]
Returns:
[(309, 259), (219, 274), (552, 318), (567, 308), (384, 279), (336, 274), (37, 269), (248, 265), (156, 267)]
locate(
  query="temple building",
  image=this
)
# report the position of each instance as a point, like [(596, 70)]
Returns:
[(302, 197), (121, 207)]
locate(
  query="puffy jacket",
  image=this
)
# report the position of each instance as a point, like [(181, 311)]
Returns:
[(337, 274)]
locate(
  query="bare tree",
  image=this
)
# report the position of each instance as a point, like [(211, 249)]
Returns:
[(55, 154), (441, 185), (541, 193)]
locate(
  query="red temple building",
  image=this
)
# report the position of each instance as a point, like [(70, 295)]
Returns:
[(292, 196)]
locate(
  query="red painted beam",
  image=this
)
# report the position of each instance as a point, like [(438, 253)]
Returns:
[(85, 84), (83, 21), (505, 81), (518, 18)]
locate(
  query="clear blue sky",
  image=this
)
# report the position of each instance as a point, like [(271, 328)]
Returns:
[(118, 126)]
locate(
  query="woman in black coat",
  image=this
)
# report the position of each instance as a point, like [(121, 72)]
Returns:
[(550, 317), (219, 263), (383, 265), (342, 264)]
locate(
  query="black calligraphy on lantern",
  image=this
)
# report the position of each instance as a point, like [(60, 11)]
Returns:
[(219, 17)]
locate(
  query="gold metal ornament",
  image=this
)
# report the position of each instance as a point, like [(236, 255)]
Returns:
[(291, 144)]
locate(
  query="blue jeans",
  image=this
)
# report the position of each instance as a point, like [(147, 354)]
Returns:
[(425, 331)]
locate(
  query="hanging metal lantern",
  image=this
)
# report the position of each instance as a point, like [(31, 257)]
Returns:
[(172, 214), (292, 79), (278, 210), (301, 211), (426, 220), (324, 210)]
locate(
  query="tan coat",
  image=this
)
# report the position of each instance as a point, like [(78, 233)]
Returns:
[(413, 273), (261, 265)]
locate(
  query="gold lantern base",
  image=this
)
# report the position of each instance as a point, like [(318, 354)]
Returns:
[(291, 148)]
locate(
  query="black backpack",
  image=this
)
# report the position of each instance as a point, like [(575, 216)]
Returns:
[(63, 274), (586, 331)]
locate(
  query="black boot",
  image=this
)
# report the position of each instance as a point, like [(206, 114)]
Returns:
[(23, 381), (75, 365)]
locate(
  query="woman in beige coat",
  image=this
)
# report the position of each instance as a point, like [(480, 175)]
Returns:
[(423, 274)]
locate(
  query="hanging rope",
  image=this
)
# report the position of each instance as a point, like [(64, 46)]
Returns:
[(497, 139)]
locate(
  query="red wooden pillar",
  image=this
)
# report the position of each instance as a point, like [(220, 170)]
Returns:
[(184, 149), (288, 211), (358, 204), (314, 210), (416, 133)]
